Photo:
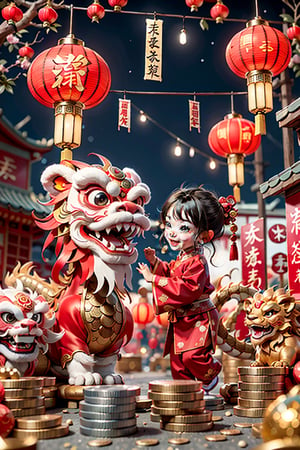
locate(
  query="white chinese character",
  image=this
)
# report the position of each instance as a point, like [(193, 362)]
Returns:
[(251, 235), (7, 167), (296, 221), (296, 252), (281, 263), (297, 279), (251, 257), (253, 279)]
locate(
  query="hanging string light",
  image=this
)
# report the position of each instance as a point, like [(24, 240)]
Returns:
[(143, 117), (191, 152), (178, 149), (212, 164), (182, 36)]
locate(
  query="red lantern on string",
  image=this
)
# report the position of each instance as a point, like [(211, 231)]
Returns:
[(293, 33), (194, 4), (234, 138), (117, 4), (26, 52), (256, 53), (162, 320), (95, 11), (153, 342), (47, 15), (12, 13), (69, 77), (219, 11), (142, 313)]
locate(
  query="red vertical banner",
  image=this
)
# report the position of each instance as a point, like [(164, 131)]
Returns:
[(124, 114), (292, 204), (253, 254), (194, 115)]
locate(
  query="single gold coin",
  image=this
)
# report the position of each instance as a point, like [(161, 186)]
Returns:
[(143, 402), (99, 442), (194, 404), (259, 395), (256, 429), (206, 416), (178, 441), (29, 443), (175, 411), (215, 437), (25, 402), (266, 370), (22, 383), (50, 391), (253, 403), (279, 387), (176, 396), (262, 378), (175, 386), (22, 393), (186, 427), (230, 431), (37, 422), (248, 412), (24, 412), (243, 424), (45, 433), (155, 417), (49, 381), (216, 418), (70, 392), (146, 442)]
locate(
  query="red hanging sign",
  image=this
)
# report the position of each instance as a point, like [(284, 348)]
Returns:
[(124, 114), (292, 204), (14, 169), (194, 110), (277, 233), (279, 263), (253, 251)]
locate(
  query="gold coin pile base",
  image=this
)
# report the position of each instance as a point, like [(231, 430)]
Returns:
[(24, 396), (257, 388), (50, 392), (45, 426), (179, 406)]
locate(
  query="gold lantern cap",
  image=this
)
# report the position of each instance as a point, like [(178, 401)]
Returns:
[(256, 21), (233, 115), (70, 39)]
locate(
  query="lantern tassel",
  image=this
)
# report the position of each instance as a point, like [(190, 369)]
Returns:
[(260, 124), (233, 255), (237, 193)]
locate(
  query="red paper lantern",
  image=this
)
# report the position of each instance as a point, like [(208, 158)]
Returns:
[(12, 13), (256, 53), (153, 342), (69, 77), (142, 313), (293, 33), (26, 52), (162, 319), (219, 11), (234, 138), (117, 4), (7, 421), (47, 15), (95, 11), (194, 4)]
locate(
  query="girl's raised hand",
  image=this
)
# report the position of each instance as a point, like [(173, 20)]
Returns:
[(145, 271), (150, 255)]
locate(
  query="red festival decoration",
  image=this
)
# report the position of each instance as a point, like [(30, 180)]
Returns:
[(47, 15), (194, 4), (117, 4), (219, 11), (69, 77), (95, 11), (293, 33), (162, 319), (256, 53), (142, 312), (234, 138), (26, 52), (7, 421), (12, 13)]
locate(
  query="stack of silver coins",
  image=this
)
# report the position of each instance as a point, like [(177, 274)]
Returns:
[(108, 411), (258, 387), (24, 396), (45, 426), (179, 406)]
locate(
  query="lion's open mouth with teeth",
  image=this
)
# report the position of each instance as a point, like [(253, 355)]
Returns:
[(258, 332), (118, 238), (19, 344)]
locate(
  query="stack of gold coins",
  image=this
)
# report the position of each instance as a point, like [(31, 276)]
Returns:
[(24, 396), (258, 387), (179, 406), (50, 391), (44, 426), (108, 411), (230, 366)]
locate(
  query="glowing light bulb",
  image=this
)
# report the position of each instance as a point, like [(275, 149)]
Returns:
[(191, 152), (182, 37), (177, 150), (212, 164), (143, 117)]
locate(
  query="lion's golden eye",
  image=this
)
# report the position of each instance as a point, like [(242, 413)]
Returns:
[(97, 197), (8, 317)]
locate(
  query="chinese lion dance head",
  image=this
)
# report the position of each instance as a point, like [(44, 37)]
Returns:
[(272, 318), (25, 323), (98, 212)]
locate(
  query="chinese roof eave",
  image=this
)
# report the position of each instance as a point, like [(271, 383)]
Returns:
[(289, 116), (283, 182), (33, 146), (22, 201)]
